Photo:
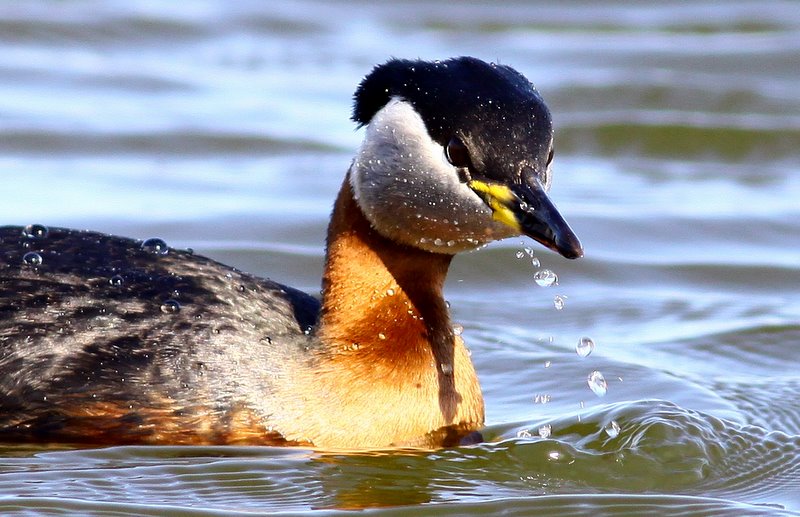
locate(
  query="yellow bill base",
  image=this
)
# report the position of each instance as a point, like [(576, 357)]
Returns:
[(500, 199)]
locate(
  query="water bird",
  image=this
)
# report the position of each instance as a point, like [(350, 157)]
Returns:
[(110, 340)]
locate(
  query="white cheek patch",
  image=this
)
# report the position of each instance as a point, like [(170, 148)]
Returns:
[(396, 147), (410, 193)]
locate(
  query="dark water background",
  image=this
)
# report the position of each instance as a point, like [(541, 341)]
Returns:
[(223, 126)]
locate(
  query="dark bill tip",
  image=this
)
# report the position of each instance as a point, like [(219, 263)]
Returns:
[(540, 220)]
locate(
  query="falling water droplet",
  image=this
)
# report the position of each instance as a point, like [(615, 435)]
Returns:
[(32, 259), (535, 262), (35, 231), (547, 364), (524, 433), (381, 335), (155, 246), (458, 329), (116, 280), (545, 431), (520, 254), (170, 307), (584, 347), (612, 429), (390, 292), (597, 383), (545, 278), (446, 368), (529, 251), (559, 301)]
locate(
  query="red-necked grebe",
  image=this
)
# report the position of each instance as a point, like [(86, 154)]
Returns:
[(108, 340)]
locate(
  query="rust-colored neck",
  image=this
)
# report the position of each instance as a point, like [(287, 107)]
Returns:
[(388, 369), (380, 296)]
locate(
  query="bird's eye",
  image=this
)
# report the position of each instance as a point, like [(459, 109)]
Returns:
[(457, 153)]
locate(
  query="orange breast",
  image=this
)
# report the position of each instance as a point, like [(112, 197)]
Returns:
[(391, 371)]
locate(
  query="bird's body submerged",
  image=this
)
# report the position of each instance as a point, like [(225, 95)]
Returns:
[(110, 340), (107, 341)]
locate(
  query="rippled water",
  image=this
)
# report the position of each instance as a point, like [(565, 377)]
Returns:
[(224, 127)]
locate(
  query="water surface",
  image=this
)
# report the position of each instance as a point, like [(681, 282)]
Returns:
[(224, 127)]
